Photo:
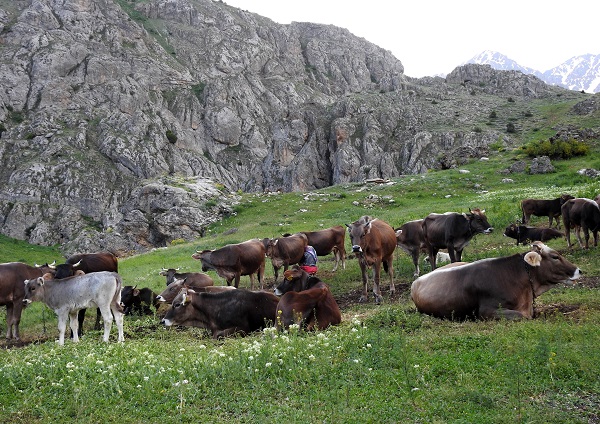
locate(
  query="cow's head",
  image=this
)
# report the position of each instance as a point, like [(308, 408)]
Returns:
[(171, 291), (512, 231), (294, 279), (550, 267), (34, 288), (358, 230), (179, 310), (204, 257), (478, 221)]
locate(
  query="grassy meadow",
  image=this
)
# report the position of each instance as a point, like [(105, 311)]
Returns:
[(384, 363)]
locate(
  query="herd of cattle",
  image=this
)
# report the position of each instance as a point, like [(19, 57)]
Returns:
[(489, 288)]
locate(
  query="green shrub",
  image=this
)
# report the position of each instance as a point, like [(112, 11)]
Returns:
[(171, 136), (557, 149)]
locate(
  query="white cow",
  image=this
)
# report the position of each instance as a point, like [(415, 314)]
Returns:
[(68, 295)]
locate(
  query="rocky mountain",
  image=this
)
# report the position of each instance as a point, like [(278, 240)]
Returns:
[(578, 73), (127, 124)]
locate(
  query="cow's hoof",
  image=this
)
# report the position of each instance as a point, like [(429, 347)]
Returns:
[(362, 299), (378, 300)]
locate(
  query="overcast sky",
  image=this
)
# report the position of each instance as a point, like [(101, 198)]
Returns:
[(434, 36)]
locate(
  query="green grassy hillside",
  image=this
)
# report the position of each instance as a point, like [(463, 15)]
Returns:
[(384, 363)]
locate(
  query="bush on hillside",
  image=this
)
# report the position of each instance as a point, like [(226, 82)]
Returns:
[(557, 149)]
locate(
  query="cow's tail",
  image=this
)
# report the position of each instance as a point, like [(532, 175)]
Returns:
[(117, 296)]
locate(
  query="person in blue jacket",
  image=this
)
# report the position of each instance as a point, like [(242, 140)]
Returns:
[(309, 261)]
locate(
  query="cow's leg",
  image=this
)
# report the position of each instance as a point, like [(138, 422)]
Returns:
[(595, 233), (237, 281), (251, 281), (568, 234), (415, 258), (578, 235), (80, 319), (107, 318), (432, 251), (376, 277), (336, 256), (390, 267), (365, 280), (261, 275), (98, 316), (62, 326), (459, 255), (276, 272), (12, 327), (451, 253), (74, 324), (119, 320), (586, 234)]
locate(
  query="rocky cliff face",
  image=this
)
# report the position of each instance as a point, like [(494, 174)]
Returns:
[(127, 124)]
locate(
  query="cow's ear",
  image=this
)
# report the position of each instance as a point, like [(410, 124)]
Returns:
[(533, 258), (136, 292), (368, 227), (184, 301), (47, 277)]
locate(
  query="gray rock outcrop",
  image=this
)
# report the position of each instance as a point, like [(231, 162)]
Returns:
[(106, 105)]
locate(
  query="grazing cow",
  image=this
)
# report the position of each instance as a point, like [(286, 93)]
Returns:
[(327, 241), (234, 260), (196, 279), (12, 291), (373, 242), (286, 251), (549, 208), (306, 301), (87, 262), (409, 237), (69, 295), (581, 214), (226, 313), (169, 293), (502, 287), (138, 301), (524, 233), (452, 231)]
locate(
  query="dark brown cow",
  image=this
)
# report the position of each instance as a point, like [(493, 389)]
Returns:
[(492, 288), (409, 237), (286, 251), (373, 242), (452, 231), (524, 233), (306, 301), (539, 207), (327, 241), (12, 291), (87, 263), (192, 279), (234, 260), (138, 301), (169, 293), (581, 214), (226, 313)]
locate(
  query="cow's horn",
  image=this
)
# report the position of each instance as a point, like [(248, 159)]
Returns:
[(77, 264)]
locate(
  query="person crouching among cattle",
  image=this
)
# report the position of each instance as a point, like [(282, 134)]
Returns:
[(309, 261)]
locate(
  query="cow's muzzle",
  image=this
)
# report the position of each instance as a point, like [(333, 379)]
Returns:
[(26, 302), (356, 248), (488, 230)]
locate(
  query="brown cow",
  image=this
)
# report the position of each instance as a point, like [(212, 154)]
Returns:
[(87, 263), (581, 214), (226, 313), (373, 242), (306, 301), (502, 287), (453, 231), (234, 260), (285, 251), (549, 208), (173, 289), (192, 279), (12, 292), (409, 237), (327, 241)]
